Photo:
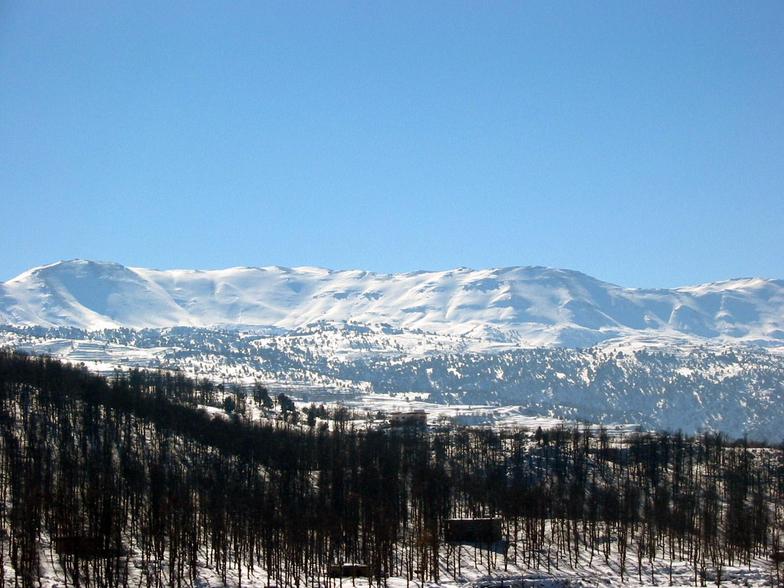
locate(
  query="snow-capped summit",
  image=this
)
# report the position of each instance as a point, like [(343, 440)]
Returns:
[(529, 306)]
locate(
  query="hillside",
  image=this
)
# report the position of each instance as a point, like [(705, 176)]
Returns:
[(734, 390), (130, 481)]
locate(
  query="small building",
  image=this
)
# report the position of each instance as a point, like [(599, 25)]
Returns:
[(413, 418), (486, 531), (86, 547), (348, 570)]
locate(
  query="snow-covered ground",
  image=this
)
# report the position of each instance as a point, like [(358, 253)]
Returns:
[(478, 568), (496, 417)]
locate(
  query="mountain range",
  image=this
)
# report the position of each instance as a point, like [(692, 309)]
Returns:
[(523, 306), (548, 343)]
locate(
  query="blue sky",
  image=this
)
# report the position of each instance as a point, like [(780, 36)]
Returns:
[(640, 142)]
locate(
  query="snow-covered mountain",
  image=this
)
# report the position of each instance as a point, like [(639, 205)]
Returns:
[(522, 306), (551, 343)]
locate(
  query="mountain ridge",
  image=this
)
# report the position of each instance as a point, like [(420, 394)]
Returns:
[(522, 305), (79, 260)]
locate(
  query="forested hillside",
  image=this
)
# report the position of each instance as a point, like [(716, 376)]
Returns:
[(153, 490), (735, 390)]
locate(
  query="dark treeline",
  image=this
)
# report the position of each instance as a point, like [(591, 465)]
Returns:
[(132, 464)]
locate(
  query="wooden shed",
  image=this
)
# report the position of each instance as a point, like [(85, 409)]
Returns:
[(486, 530), (413, 418), (348, 570), (86, 547)]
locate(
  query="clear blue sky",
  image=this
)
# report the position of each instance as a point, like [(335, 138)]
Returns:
[(640, 142)]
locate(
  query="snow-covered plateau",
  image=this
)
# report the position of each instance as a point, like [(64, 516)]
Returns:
[(552, 343)]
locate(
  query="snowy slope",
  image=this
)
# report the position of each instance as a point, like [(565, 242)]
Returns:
[(526, 306)]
